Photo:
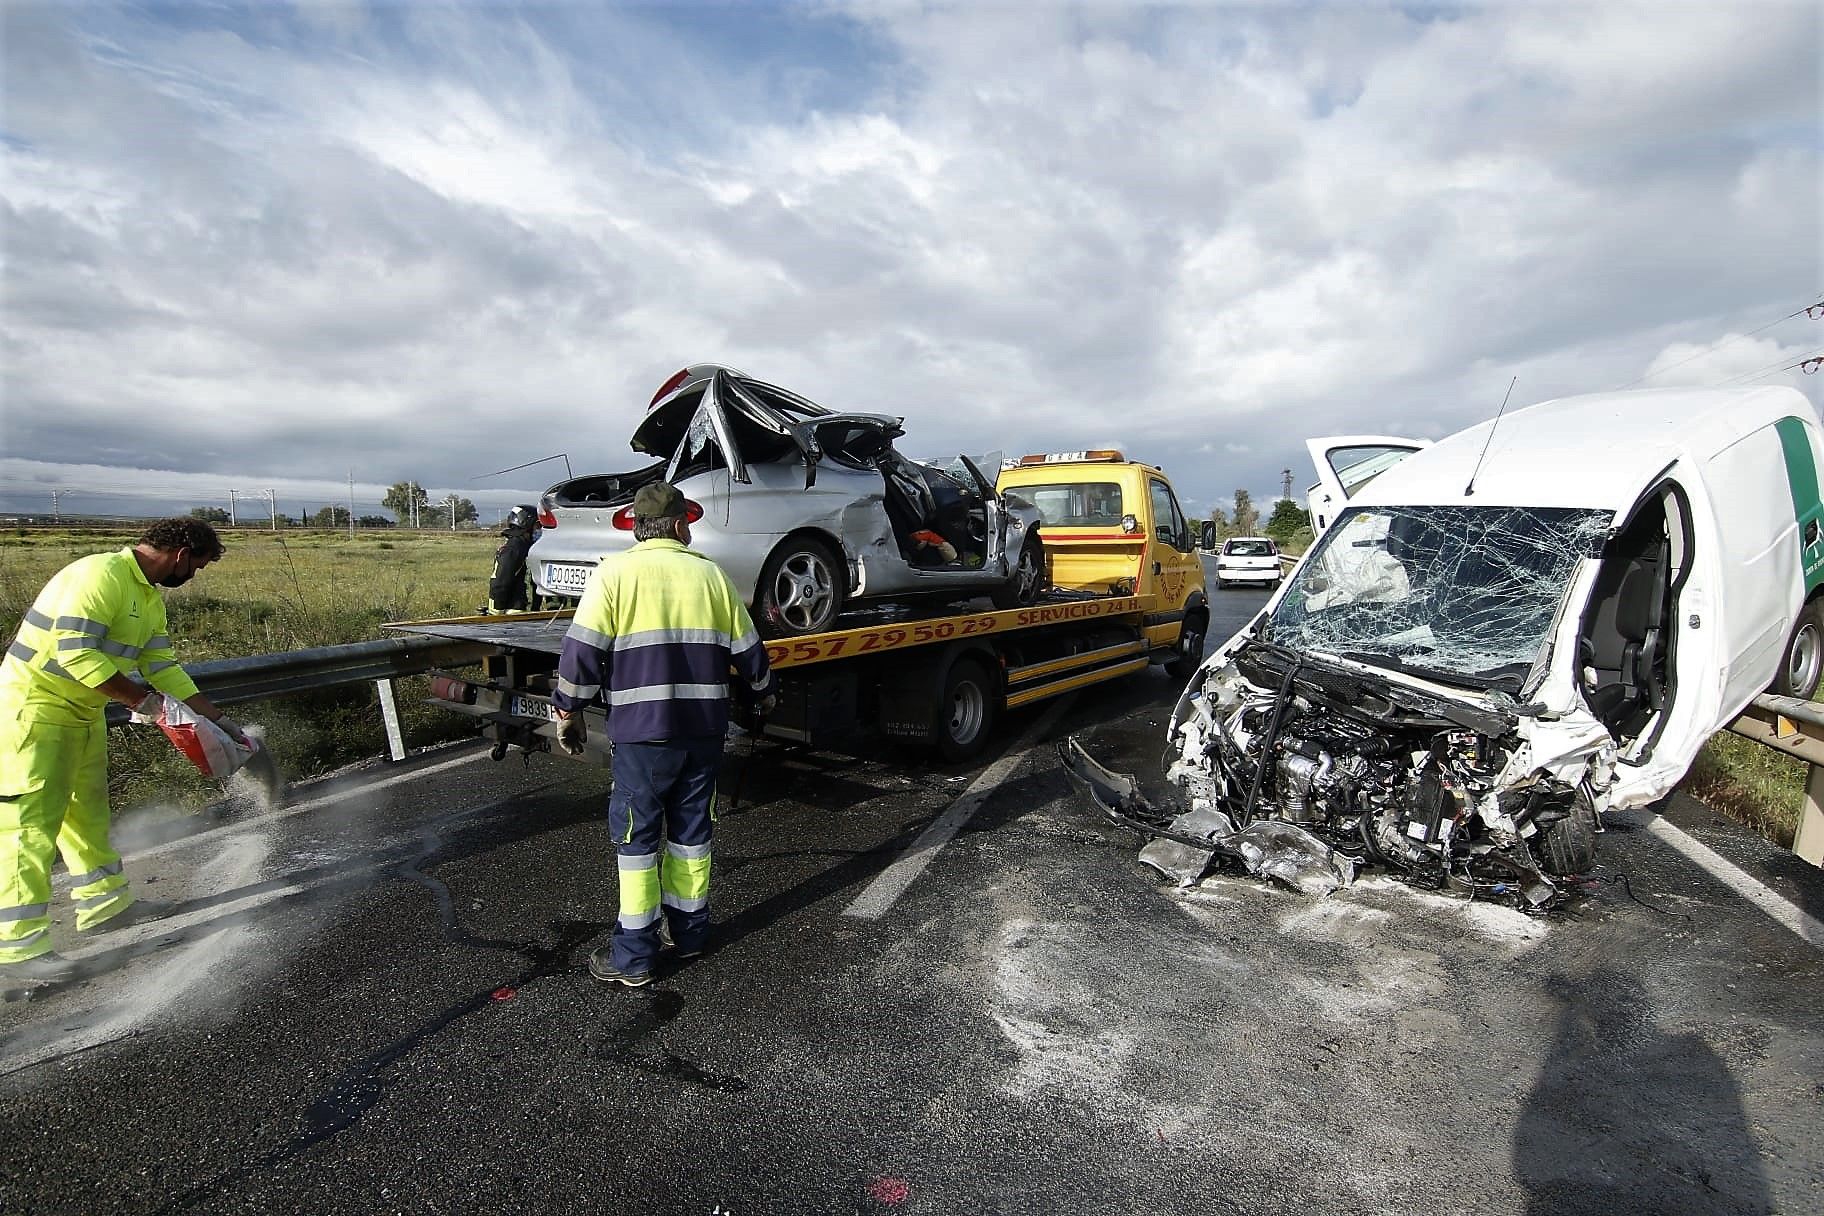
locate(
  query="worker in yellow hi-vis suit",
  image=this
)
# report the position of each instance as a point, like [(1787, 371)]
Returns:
[(97, 620)]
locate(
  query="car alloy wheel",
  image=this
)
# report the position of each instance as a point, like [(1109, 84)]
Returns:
[(799, 592)]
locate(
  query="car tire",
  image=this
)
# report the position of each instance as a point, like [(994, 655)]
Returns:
[(965, 711), (801, 589), (1189, 656), (1028, 577), (1569, 846), (1802, 662)]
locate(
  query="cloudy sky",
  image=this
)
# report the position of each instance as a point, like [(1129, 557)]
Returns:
[(265, 246)]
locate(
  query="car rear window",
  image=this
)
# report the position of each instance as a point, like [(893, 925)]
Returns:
[(1075, 504), (1249, 548)]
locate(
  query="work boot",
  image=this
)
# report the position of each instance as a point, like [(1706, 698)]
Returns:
[(601, 966), (137, 913), (665, 943), (48, 968)]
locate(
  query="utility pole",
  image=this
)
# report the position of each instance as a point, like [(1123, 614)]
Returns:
[(413, 495), (351, 504), (272, 508), (1285, 483), (231, 515), (56, 506), (450, 502)]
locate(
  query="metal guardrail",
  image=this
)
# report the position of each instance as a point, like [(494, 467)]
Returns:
[(230, 681), (1795, 727)]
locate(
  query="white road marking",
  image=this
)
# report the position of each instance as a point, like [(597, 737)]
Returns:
[(886, 889), (1750, 888), (215, 835)]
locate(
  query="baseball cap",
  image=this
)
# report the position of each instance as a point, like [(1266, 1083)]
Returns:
[(658, 500)]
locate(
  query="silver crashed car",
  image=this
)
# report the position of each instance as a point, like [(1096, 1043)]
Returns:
[(808, 511)]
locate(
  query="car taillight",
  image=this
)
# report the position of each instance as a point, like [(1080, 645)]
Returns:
[(545, 517), (693, 511), (665, 388)]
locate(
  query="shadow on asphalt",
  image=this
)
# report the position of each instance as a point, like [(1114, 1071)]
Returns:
[(1581, 1146)]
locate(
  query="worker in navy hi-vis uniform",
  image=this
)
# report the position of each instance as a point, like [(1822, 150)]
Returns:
[(656, 635)]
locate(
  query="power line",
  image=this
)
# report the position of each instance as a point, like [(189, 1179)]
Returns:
[(1814, 311), (1771, 369)]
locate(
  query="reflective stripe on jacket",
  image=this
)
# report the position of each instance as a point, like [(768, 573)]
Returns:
[(97, 617), (654, 637)]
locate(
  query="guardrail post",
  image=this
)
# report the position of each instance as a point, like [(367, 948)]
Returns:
[(1808, 842), (389, 710)]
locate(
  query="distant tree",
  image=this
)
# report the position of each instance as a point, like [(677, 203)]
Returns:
[(437, 514), (373, 521), (1286, 520), (401, 496), (1246, 517), (1219, 517), (209, 515), (330, 517)]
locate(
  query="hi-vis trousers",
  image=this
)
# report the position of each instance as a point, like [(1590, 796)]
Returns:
[(53, 799), (662, 812)]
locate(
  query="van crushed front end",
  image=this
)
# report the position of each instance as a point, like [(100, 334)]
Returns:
[(1373, 716)]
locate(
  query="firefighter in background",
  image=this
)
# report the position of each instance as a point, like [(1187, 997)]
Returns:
[(98, 619), (507, 591), (655, 637)]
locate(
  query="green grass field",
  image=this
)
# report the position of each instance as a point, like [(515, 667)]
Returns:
[(277, 591)]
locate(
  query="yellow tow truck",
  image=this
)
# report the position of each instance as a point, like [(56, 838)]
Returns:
[(1126, 591)]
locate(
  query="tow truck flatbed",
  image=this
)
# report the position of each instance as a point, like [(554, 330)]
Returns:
[(940, 677)]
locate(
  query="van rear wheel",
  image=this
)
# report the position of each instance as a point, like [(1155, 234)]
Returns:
[(1803, 663)]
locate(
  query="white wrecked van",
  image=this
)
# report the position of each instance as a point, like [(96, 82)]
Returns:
[(1501, 635)]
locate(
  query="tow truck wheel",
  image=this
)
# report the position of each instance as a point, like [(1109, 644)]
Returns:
[(1804, 662), (965, 712), (1190, 647), (801, 588), (1028, 577)]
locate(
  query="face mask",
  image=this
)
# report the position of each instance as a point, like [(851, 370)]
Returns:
[(176, 580)]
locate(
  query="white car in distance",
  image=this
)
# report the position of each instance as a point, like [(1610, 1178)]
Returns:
[(1248, 559)]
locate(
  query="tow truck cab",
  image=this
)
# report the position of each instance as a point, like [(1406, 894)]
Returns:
[(1113, 526)]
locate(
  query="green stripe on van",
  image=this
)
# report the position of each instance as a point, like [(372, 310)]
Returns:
[(1802, 476)]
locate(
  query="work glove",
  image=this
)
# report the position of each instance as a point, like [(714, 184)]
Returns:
[(571, 733), (764, 707), (149, 707), (233, 730)]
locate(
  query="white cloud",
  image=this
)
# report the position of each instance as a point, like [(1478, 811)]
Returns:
[(439, 240)]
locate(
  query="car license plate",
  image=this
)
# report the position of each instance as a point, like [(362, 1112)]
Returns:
[(531, 707), (566, 578)]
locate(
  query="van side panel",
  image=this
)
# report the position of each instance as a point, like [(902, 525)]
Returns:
[(1802, 474), (1757, 558)]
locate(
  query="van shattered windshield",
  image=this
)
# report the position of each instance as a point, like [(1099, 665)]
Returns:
[(1466, 595)]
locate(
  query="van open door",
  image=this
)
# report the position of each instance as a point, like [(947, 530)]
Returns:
[(1346, 463)]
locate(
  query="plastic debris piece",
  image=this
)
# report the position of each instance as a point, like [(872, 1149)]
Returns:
[(505, 993), (1293, 855), (1184, 864)]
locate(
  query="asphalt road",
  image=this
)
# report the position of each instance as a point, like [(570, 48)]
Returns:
[(375, 1000)]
